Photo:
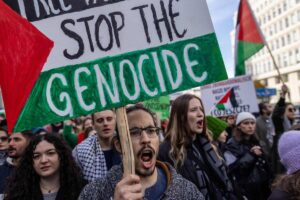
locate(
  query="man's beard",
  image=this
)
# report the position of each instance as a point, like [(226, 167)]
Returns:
[(145, 174)]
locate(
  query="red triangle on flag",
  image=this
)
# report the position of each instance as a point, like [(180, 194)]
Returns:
[(23, 53), (248, 29), (225, 97)]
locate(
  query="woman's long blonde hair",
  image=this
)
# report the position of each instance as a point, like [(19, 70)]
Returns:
[(178, 130)]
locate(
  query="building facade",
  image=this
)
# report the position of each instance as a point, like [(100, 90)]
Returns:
[(279, 21)]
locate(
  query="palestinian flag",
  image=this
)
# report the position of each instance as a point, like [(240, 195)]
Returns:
[(249, 39), (227, 101), (25, 50)]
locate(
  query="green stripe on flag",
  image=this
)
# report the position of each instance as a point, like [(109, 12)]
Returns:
[(220, 106), (117, 81), (246, 50)]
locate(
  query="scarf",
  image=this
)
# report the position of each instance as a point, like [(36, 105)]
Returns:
[(211, 171)]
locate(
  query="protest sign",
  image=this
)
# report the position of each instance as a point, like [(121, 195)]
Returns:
[(229, 97), (159, 105), (106, 54)]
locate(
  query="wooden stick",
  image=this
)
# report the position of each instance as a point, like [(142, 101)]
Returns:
[(274, 62), (126, 145)]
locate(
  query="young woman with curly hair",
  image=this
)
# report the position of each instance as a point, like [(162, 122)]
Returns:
[(47, 171), (188, 148)]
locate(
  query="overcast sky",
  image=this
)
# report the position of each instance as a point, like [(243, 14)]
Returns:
[(222, 12)]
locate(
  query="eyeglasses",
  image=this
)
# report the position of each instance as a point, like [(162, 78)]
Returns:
[(150, 131), (291, 109), (3, 139)]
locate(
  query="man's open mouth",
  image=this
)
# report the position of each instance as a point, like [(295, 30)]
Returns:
[(146, 157)]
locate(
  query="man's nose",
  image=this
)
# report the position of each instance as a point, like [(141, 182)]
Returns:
[(144, 137), (11, 142)]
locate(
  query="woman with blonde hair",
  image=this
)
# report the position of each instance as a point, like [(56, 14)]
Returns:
[(188, 148)]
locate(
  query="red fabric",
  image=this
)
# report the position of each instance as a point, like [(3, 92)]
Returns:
[(23, 52), (225, 97), (80, 138), (248, 29)]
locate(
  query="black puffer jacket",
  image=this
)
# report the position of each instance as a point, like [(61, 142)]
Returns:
[(251, 172)]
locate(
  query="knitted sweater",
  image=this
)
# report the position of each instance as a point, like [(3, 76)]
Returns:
[(178, 187)]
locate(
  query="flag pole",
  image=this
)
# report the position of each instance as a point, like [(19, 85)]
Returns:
[(269, 49), (274, 62)]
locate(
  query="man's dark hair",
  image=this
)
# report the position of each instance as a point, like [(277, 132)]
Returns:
[(141, 107), (4, 130), (262, 106), (27, 134)]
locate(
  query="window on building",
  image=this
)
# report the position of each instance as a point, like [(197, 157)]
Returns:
[(297, 54), (285, 60), (280, 25), (287, 22), (282, 41), (279, 10), (295, 36), (298, 74), (288, 37), (284, 6), (297, 1), (291, 58), (279, 61), (293, 19)]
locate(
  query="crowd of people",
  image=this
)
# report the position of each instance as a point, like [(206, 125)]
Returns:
[(193, 156)]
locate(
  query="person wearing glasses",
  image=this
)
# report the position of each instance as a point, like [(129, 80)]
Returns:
[(3, 145), (246, 159), (47, 171), (153, 179), (283, 118), (95, 155)]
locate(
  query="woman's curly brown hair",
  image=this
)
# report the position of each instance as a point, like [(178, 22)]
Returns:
[(25, 182)]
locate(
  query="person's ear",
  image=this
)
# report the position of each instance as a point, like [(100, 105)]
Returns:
[(117, 145)]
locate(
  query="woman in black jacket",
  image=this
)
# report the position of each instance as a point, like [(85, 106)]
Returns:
[(246, 160), (188, 148)]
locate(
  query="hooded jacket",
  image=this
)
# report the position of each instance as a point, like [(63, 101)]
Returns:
[(177, 188)]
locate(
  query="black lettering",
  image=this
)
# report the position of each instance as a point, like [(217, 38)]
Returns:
[(115, 26), (99, 21), (164, 19), (75, 36), (87, 28), (145, 25), (172, 16)]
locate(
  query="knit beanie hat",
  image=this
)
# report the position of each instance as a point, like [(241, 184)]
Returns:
[(243, 116), (216, 126), (289, 151)]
